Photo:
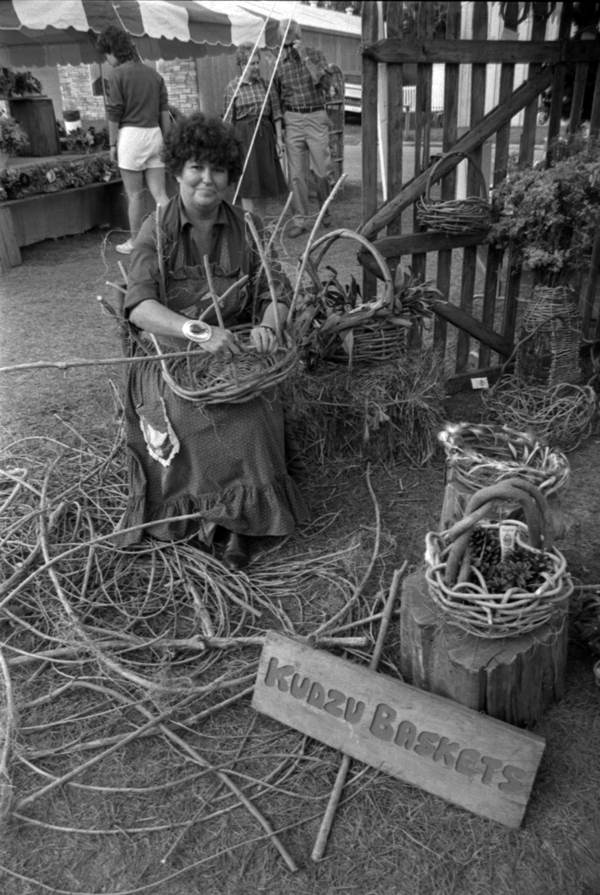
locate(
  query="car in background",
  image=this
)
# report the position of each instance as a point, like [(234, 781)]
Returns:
[(352, 95)]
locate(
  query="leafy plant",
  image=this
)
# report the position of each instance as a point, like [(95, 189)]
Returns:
[(16, 183), (13, 139), (548, 216), (20, 83)]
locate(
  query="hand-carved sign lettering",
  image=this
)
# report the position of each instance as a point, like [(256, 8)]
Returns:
[(465, 757)]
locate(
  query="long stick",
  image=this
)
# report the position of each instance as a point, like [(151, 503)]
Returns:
[(211, 290), (336, 793), (264, 264), (90, 362)]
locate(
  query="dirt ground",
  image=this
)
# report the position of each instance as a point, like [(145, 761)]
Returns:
[(51, 313)]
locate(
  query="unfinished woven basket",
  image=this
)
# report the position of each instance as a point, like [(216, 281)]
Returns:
[(562, 415), (550, 337), (209, 379), (472, 214), (483, 454), (459, 589)]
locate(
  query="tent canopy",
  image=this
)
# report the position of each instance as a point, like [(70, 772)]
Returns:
[(36, 33), (310, 18)]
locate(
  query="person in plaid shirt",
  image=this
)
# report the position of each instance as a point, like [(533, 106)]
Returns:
[(257, 124), (303, 84)]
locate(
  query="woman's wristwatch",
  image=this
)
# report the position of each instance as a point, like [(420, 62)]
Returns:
[(196, 331)]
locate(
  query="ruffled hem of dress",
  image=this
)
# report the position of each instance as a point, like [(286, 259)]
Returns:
[(269, 510)]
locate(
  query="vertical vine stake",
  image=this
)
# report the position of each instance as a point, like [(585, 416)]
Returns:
[(336, 793)]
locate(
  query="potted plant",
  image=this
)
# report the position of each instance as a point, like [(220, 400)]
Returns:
[(13, 139), (548, 214)]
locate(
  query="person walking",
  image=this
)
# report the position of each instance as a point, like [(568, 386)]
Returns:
[(137, 108), (303, 84), (255, 114)]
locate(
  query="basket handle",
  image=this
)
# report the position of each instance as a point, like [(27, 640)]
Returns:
[(478, 506), (431, 177), (325, 242)]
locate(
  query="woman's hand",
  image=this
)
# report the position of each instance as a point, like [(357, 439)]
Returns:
[(222, 342), (263, 338)]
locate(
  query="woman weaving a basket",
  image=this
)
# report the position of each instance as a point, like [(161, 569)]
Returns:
[(202, 464)]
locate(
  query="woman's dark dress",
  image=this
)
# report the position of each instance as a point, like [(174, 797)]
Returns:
[(263, 177), (224, 462)]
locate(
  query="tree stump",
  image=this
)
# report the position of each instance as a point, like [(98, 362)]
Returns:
[(514, 679)]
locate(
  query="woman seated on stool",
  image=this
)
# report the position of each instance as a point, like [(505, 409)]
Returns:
[(224, 464)]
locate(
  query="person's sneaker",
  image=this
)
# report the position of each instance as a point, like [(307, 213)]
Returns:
[(125, 248)]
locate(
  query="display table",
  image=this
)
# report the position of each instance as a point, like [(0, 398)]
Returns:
[(63, 213)]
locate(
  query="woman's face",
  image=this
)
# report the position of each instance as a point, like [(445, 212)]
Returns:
[(253, 73), (202, 185)]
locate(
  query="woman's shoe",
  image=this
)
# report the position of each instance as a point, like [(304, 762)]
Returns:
[(236, 555), (125, 248)]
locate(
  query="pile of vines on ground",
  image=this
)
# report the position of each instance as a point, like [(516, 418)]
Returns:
[(127, 673)]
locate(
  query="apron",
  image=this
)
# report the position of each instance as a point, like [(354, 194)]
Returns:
[(223, 463)]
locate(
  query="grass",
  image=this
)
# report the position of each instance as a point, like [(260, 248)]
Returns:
[(110, 827)]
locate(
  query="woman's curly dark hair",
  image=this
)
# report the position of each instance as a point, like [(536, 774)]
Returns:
[(113, 39), (203, 138)]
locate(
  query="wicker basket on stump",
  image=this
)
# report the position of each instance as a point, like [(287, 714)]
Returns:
[(498, 579)]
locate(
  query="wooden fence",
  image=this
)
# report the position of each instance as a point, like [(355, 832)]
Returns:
[(481, 306)]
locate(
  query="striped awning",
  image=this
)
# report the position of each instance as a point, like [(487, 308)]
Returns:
[(50, 32)]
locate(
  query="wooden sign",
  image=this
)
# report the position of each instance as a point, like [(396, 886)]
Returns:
[(467, 758)]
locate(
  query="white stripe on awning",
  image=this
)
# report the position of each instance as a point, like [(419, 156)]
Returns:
[(168, 20), (245, 27), (57, 14)]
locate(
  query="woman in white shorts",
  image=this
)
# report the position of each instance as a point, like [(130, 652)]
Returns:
[(137, 108)]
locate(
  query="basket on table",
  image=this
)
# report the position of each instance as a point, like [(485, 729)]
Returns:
[(473, 214), (550, 337), (498, 579), (345, 328)]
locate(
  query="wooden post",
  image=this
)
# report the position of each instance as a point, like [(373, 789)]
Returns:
[(10, 255), (513, 679), (370, 112)]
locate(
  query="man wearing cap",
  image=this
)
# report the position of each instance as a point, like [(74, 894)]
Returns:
[(303, 84)]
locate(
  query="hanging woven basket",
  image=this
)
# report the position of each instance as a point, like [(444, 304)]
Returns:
[(472, 214), (460, 561)]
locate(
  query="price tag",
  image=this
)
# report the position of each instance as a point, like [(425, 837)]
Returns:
[(508, 539)]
